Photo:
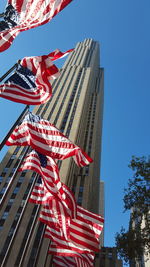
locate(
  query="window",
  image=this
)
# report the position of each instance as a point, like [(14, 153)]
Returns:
[(23, 150), (6, 170), (16, 190), (13, 156), (79, 200), (21, 179), (3, 190), (110, 255), (9, 163), (1, 222), (10, 201), (5, 214), (86, 170), (81, 189), (13, 196), (16, 150), (8, 208), (23, 173)]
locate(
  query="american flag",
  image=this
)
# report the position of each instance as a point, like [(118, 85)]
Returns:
[(57, 54), (49, 185), (30, 83), (83, 233), (85, 260), (78, 233), (44, 137), (40, 194), (58, 253), (80, 260), (61, 211), (64, 261), (22, 15)]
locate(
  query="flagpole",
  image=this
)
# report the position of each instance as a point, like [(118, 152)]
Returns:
[(9, 71), (13, 127)]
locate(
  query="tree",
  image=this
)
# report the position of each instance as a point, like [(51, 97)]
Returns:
[(132, 243)]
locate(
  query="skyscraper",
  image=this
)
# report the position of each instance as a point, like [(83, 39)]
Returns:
[(76, 108)]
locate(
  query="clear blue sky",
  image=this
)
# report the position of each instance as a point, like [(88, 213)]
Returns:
[(122, 29)]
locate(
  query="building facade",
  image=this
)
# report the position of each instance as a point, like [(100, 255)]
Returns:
[(108, 257), (143, 260), (76, 108)]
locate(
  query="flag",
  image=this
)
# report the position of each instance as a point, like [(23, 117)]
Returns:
[(22, 15), (44, 137), (79, 259), (49, 185), (64, 261), (61, 215), (40, 194), (82, 235), (57, 54), (30, 83), (83, 260)]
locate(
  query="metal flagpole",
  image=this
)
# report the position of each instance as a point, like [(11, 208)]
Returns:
[(9, 71), (13, 127), (22, 114), (1, 15)]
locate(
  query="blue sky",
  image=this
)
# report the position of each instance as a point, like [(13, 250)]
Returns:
[(122, 29)]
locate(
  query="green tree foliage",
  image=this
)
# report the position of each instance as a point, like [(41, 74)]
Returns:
[(130, 244)]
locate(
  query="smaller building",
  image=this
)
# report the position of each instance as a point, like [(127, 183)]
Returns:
[(108, 257), (144, 260)]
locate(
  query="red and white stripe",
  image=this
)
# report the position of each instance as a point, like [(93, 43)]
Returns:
[(61, 212), (31, 14), (80, 259), (57, 54), (44, 71), (64, 261), (61, 245), (48, 140), (82, 235), (86, 259), (40, 194), (59, 261), (49, 174), (51, 186)]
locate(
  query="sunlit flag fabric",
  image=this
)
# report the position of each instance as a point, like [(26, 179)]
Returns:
[(64, 261), (49, 185), (22, 15), (82, 235), (30, 83), (63, 209), (39, 194), (80, 260), (85, 260), (44, 137), (48, 170)]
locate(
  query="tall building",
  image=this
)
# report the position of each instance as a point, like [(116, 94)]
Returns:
[(76, 108)]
